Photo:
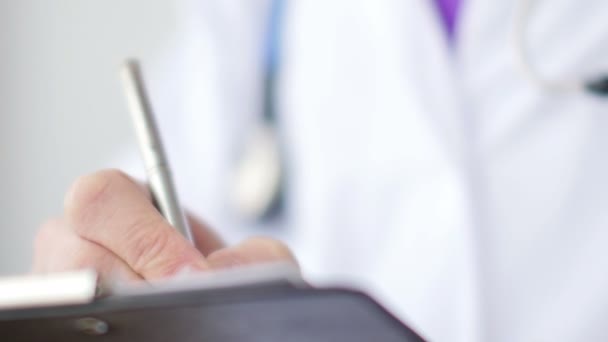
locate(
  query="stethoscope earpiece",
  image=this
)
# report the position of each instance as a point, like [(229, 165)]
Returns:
[(257, 180), (599, 87)]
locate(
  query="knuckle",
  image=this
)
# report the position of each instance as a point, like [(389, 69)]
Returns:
[(152, 249), (55, 249), (45, 233), (88, 193), (88, 258)]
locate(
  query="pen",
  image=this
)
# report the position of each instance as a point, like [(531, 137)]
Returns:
[(158, 172)]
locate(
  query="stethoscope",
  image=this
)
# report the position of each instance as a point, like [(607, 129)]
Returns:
[(258, 183), (597, 86), (260, 172)]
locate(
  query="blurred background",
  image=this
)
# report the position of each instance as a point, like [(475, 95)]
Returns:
[(60, 101)]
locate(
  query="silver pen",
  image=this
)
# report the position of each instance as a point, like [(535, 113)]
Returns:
[(158, 172)]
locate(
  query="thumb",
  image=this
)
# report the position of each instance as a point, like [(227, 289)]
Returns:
[(252, 251)]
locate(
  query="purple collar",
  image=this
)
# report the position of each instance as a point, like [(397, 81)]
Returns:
[(449, 10)]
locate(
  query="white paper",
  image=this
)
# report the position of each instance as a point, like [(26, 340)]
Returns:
[(80, 287), (67, 288), (238, 276)]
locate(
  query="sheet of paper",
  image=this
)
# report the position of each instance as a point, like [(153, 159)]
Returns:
[(80, 287), (67, 288), (238, 276)]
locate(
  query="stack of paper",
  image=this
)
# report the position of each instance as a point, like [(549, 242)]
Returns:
[(48, 290), (81, 287)]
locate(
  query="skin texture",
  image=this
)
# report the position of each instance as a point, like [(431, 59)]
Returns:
[(110, 224)]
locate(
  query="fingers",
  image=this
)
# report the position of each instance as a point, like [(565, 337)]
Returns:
[(252, 251), (58, 249), (206, 240), (109, 209), (111, 225)]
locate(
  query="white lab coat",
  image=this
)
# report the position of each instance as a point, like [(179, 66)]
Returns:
[(471, 202)]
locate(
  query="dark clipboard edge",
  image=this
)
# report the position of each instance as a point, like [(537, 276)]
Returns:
[(250, 293)]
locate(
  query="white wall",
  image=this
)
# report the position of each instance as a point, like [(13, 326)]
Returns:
[(61, 110)]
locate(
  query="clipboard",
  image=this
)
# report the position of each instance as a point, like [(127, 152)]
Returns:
[(273, 310)]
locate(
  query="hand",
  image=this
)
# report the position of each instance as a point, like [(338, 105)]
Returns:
[(110, 224)]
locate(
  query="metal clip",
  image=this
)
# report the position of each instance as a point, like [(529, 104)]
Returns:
[(92, 326)]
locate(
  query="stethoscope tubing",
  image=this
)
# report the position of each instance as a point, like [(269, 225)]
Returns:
[(523, 13)]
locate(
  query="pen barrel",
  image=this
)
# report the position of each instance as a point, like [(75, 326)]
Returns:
[(148, 137), (167, 202)]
